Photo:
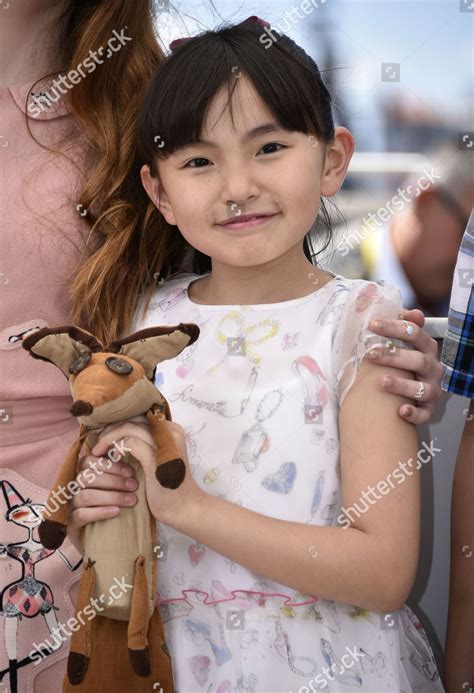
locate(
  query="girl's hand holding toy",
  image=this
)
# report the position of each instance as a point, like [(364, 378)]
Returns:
[(163, 502)]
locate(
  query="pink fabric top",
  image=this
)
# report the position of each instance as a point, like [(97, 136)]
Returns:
[(42, 235)]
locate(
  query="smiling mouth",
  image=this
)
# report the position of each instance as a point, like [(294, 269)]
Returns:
[(248, 222)]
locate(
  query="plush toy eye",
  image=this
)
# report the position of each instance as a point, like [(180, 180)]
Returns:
[(80, 363), (118, 365)]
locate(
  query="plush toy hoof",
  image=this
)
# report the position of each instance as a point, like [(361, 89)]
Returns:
[(140, 661), (52, 533), (171, 474), (77, 667)]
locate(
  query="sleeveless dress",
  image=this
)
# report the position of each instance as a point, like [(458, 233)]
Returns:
[(258, 395)]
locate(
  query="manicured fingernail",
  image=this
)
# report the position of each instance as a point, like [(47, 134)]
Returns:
[(376, 324), (387, 381), (374, 353), (406, 411)]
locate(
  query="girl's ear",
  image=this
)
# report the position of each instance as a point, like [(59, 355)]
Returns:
[(338, 155), (157, 194)]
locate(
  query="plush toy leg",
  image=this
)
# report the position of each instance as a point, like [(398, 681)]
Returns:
[(170, 468), (109, 668), (80, 649), (138, 651), (52, 530)]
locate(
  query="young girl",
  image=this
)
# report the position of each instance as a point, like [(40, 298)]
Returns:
[(287, 554)]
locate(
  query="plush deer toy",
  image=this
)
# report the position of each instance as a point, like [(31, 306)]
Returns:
[(112, 384)]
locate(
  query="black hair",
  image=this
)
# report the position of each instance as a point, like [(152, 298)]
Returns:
[(287, 80)]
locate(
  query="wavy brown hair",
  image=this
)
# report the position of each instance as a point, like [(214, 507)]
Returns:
[(125, 247)]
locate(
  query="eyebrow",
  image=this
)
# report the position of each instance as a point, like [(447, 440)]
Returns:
[(251, 134)]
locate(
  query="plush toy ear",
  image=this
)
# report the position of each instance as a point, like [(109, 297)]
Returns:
[(61, 345), (155, 344)]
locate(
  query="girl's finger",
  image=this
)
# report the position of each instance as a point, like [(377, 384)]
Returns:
[(104, 465), (117, 438), (131, 425), (106, 482), (83, 516), (91, 497), (143, 452)]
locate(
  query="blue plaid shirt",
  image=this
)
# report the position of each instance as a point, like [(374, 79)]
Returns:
[(457, 357)]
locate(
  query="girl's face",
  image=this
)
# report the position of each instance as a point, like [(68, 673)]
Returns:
[(247, 170)]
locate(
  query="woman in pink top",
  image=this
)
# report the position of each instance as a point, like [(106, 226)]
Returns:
[(54, 164), (76, 246)]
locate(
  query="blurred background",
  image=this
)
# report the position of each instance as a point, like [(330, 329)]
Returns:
[(401, 74)]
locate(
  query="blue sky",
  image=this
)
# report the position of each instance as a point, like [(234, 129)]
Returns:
[(431, 40)]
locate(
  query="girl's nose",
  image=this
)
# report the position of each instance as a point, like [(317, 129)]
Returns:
[(238, 188)]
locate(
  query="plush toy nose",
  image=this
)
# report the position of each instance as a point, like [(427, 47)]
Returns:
[(81, 408)]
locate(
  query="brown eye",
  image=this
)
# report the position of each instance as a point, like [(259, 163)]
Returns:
[(80, 363), (118, 365)]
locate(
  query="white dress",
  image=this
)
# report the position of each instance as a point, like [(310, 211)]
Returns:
[(258, 395)]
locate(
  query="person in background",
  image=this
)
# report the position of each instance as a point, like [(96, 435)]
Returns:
[(64, 157), (418, 247), (458, 362)]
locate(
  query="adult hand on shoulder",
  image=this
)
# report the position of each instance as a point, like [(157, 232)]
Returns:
[(422, 360)]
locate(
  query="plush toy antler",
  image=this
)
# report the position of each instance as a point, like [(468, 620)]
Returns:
[(108, 385)]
